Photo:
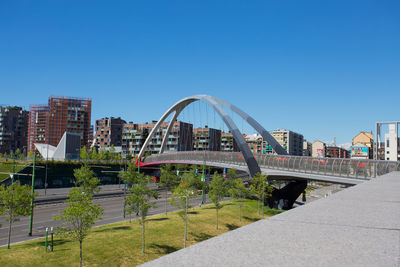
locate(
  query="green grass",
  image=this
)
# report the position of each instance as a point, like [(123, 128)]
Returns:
[(119, 244), (7, 166)]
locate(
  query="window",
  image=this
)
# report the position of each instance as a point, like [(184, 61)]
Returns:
[(387, 143)]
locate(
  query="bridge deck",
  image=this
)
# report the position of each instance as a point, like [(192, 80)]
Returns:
[(359, 226)]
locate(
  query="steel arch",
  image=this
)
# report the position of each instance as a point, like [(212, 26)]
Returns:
[(214, 102)]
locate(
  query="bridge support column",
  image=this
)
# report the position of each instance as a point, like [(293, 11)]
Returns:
[(285, 197)]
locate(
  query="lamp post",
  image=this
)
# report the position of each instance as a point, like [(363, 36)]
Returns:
[(32, 192), (45, 177)]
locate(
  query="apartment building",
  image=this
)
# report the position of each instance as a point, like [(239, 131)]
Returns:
[(208, 139), (257, 144), (134, 135), (367, 140), (307, 148), (337, 152), (291, 141), (13, 129), (108, 132), (228, 143), (318, 149)]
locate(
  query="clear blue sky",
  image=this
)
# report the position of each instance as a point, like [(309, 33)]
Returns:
[(322, 68)]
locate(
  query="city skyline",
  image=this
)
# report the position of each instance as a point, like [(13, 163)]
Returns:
[(322, 71)]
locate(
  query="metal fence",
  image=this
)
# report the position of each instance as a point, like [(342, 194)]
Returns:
[(351, 168)]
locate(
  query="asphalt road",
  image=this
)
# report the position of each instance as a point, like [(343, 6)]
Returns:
[(43, 217)]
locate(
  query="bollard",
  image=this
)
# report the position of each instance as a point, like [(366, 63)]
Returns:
[(52, 243), (45, 242)]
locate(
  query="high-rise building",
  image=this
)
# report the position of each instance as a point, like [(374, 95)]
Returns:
[(109, 132), (13, 129), (228, 143), (134, 135), (62, 114), (208, 139), (318, 149), (37, 125), (291, 141)]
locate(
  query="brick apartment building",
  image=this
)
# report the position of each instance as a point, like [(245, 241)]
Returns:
[(108, 132), (337, 152), (48, 123)]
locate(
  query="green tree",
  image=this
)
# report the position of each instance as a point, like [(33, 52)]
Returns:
[(181, 195), (30, 154), (79, 217), (238, 191), (84, 154), (232, 174), (217, 192), (168, 180), (93, 154), (139, 201), (260, 189), (15, 201), (86, 180)]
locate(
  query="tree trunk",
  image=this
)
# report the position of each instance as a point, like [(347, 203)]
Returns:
[(258, 207), (240, 212), (9, 233), (143, 240), (80, 253), (186, 205), (217, 217), (166, 200)]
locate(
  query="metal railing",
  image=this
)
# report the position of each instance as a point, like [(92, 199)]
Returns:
[(346, 168)]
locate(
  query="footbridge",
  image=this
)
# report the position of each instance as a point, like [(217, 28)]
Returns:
[(281, 166), (333, 170)]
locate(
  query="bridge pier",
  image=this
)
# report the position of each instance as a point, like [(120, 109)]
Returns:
[(285, 197)]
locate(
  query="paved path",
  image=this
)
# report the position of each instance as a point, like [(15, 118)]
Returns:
[(359, 226)]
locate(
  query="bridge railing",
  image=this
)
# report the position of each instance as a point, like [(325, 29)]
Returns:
[(351, 168)]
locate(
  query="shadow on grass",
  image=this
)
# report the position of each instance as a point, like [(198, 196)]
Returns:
[(157, 219), (163, 249), (231, 226), (193, 212), (200, 237), (251, 219), (57, 242), (113, 229)]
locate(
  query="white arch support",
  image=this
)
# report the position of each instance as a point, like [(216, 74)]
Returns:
[(214, 102)]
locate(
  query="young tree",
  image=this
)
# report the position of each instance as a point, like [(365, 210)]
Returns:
[(238, 191), (232, 174), (181, 195), (139, 201), (79, 216), (86, 180), (15, 201), (218, 189), (260, 189), (131, 176), (168, 180), (84, 154)]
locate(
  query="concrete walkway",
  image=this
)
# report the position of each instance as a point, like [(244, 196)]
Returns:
[(359, 226)]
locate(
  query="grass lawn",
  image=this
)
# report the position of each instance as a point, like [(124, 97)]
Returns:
[(6, 167), (119, 244)]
